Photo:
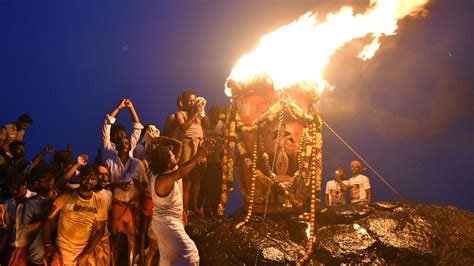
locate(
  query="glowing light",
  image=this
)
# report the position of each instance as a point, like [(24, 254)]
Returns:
[(299, 53), (363, 233), (308, 230)]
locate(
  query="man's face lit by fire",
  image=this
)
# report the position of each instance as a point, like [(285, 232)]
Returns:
[(103, 177), (188, 102), (356, 168), (123, 145), (88, 182)]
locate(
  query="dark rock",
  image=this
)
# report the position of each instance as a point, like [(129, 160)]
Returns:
[(382, 233), (342, 214), (261, 241)]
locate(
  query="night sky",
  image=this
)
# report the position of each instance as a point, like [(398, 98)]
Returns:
[(409, 111)]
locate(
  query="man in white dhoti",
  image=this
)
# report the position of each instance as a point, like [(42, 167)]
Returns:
[(175, 246)]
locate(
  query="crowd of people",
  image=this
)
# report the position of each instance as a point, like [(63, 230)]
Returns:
[(131, 203)]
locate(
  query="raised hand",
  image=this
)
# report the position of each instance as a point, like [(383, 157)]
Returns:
[(48, 149), (128, 103), (206, 147), (122, 104), (82, 159)]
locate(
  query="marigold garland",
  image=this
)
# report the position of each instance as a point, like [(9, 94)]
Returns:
[(315, 169), (252, 186), (228, 156)]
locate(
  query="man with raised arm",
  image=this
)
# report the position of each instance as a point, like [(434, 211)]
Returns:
[(82, 217), (111, 133), (175, 246), (127, 181), (18, 164)]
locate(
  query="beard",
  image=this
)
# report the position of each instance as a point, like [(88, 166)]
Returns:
[(87, 187)]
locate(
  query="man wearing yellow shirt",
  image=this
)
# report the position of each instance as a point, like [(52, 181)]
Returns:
[(82, 217)]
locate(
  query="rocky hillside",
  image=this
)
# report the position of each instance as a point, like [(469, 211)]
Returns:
[(382, 233)]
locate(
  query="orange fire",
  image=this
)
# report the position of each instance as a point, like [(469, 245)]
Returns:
[(299, 53)]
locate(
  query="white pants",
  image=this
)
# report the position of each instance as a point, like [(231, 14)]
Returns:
[(176, 248)]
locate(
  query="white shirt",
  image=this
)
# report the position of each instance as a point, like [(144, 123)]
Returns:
[(108, 148), (335, 192), (120, 173), (107, 197), (358, 185)]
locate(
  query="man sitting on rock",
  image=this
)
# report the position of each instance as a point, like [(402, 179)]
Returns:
[(360, 185)]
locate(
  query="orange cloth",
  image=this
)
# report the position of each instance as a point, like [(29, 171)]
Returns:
[(55, 260), (147, 205), (18, 257), (123, 219), (101, 256)]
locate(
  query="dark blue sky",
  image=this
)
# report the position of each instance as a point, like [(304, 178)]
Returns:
[(409, 111)]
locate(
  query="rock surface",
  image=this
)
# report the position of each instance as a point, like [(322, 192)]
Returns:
[(382, 233)]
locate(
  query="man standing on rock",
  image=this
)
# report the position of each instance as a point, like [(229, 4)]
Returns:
[(335, 189), (360, 185), (191, 122), (175, 246)]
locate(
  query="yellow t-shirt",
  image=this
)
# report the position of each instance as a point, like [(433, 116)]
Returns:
[(77, 219)]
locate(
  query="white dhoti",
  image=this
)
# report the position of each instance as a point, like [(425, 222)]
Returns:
[(176, 247)]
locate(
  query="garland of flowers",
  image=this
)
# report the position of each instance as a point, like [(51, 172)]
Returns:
[(315, 180), (273, 113), (232, 140), (228, 156), (302, 158), (252, 186), (281, 129)]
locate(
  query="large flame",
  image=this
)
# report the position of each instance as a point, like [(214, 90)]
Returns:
[(300, 51)]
